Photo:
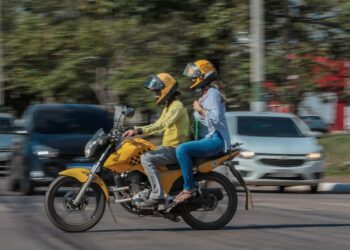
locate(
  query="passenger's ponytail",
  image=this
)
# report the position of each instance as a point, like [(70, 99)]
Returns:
[(219, 86)]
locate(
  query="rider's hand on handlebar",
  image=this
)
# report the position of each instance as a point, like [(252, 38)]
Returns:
[(130, 132)]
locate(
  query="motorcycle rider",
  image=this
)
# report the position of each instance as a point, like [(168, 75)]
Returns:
[(175, 125), (210, 111)]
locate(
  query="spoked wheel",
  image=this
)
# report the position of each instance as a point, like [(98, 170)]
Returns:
[(217, 203), (71, 217)]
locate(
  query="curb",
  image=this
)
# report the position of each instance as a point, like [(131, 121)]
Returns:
[(334, 187), (325, 187)]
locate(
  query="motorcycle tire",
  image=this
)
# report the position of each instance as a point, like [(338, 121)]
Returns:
[(231, 197), (53, 215)]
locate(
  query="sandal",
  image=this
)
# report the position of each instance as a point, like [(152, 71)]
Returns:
[(183, 195)]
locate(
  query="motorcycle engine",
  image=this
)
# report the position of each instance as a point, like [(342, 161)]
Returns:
[(139, 187)]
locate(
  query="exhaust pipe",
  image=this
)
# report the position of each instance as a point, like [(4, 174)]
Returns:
[(120, 189), (122, 200)]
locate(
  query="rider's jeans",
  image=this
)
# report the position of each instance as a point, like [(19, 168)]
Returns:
[(206, 147), (150, 160)]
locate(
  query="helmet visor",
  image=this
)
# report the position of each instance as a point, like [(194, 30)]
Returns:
[(153, 83), (192, 70)]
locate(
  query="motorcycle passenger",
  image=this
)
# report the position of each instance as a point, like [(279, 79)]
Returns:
[(213, 132), (175, 125)]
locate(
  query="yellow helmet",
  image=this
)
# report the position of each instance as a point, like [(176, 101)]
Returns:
[(164, 83), (202, 72)]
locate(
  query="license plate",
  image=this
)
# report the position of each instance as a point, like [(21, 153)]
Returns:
[(283, 174), (80, 165)]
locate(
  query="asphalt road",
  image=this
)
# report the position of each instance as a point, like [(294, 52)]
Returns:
[(291, 220)]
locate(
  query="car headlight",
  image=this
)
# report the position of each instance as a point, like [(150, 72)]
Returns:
[(246, 154), (314, 156), (44, 151)]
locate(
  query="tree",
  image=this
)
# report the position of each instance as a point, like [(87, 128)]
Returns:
[(102, 50)]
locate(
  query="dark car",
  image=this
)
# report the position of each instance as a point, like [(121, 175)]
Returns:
[(53, 139), (6, 139), (315, 123)]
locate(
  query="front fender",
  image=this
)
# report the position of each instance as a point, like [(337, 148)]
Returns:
[(81, 174)]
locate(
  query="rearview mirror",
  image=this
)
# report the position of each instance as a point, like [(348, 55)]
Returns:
[(128, 111)]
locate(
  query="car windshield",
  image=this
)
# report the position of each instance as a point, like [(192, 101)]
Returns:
[(6, 125), (315, 118), (67, 121), (267, 126), (312, 118)]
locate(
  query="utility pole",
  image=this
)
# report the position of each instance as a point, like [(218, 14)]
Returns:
[(2, 100), (257, 41)]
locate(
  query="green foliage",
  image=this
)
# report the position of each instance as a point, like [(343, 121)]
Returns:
[(84, 50), (336, 150)]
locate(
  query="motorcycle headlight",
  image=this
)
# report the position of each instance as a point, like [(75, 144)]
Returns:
[(93, 145), (246, 154), (314, 156), (45, 151), (90, 149)]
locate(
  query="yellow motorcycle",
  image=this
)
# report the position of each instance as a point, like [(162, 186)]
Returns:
[(76, 199)]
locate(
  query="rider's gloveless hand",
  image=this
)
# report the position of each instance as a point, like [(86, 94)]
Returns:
[(130, 132)]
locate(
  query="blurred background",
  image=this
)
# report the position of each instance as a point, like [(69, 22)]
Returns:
[(101, 51), (288, 56)]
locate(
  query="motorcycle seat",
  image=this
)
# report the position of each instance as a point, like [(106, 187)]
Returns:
[(196, 161)]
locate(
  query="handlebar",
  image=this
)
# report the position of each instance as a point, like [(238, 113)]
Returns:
[(105, 139)]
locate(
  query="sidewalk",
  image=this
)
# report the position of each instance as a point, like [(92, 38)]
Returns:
[(337, 179), (328, 184), (335, 184)]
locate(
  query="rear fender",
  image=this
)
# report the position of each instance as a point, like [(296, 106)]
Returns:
[(81, 174)]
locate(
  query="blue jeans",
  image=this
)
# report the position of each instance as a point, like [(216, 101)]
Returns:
[(205, 147)]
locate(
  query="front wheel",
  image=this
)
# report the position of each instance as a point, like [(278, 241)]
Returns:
[(220, 206), (71, 217)]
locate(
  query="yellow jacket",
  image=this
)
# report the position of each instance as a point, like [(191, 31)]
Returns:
[(175, 124)]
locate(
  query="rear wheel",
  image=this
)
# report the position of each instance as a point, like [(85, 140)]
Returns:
[(71, 217), (220, 206)]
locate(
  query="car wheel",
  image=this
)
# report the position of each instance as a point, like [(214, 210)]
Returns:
[(314, 188), (26, 187), (281, 189), (12, 184), (13, 177)]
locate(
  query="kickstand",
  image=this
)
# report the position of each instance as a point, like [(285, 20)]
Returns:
[(110, 209)]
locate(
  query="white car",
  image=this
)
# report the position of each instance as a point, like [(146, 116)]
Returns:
[(278, 149)]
